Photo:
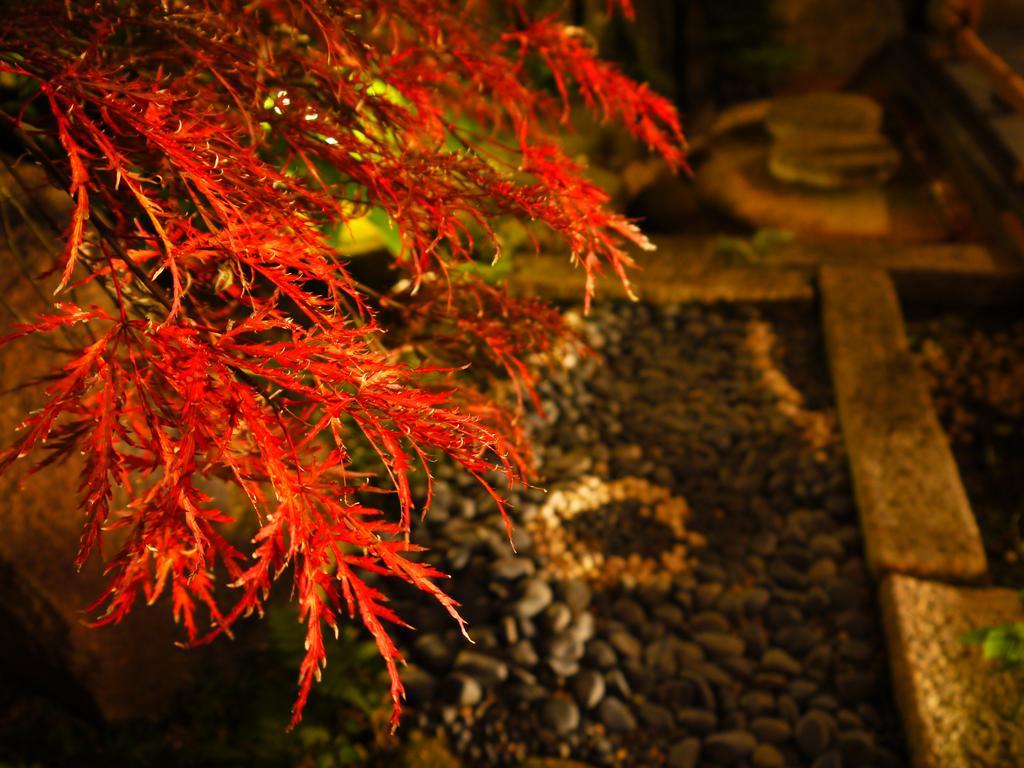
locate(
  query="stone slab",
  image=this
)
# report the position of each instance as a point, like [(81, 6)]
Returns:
[(914, 512), (946, 273), (694, 268), (954, 259), (681, 270), (953, 703), (958, 259)]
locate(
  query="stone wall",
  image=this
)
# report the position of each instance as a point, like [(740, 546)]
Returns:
[(120, 671)]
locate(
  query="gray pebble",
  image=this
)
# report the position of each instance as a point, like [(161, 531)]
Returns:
[(617, 682), (797, 639), (561, 715), (509, 630), (756, 639), (773, 730), (522, 653), (822, 571), (511, 568), (576, 594), (625, 644), (564, 667), (755, 600), (433, 651), (708, 593), (556, 617), (655, 717), (757, 702), (823, 545), (630, 612), (698, 721), (419, 684), (767, 756), (600, 654), (857, 747), (615, 715), (536, 596), (709, 621), (486, 669), (825, 701), (719, 643), (460, 690), (777, 660), (788, 709), (684, 754), (564, 646), (730, 747), (830, 759), (583, 627), (688, 653), (588, 686), (814, 732), (669, 614)]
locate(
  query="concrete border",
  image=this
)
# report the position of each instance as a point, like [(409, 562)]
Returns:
[(696, 269), (913, 508), (681, 270), (946, 694)]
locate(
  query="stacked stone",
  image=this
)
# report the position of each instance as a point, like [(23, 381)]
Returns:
[(829, 140)]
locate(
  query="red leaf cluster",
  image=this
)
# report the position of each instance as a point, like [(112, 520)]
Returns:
[(209, 148)]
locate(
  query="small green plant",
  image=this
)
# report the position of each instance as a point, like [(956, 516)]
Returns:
[(1004, 644), (740, 251)]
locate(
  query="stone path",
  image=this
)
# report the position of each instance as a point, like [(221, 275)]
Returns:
[(697, 269), (702, 441), (913, 507), (900, 460), (917, 520)]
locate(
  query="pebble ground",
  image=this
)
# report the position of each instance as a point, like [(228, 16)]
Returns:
[(750, 638)]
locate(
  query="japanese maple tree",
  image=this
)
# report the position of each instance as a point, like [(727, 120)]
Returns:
[(214, 152)]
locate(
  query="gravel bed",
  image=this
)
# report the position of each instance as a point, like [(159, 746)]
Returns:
[(690, 590), (974, 366)]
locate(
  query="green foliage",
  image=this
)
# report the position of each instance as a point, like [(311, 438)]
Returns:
[(741, 251), (232, 714), (746, 56), (1003, 644)]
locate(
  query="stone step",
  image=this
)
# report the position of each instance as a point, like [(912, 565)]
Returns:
[(957, 259), (914, 512), (696, 268), (735, 179), (681, 270), (955, 706), (693, 254), (948, 273)]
